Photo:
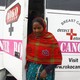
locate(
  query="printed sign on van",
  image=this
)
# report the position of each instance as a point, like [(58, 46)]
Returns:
[(13, 14), (65, 27), (12, 47)]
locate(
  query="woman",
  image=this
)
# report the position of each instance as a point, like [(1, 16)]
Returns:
[(43, 52)]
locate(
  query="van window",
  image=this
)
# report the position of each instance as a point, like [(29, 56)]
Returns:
[(2, 2), (9, 2), (73, 5)]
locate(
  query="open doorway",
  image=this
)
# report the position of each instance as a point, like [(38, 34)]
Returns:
[(35, 9)]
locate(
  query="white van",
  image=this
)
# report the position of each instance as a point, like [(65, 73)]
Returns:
[(63, 20)]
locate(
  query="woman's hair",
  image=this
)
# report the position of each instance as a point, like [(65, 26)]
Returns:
[(40, 20)]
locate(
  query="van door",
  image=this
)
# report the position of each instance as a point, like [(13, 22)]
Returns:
[(15, 36), (35, 9)]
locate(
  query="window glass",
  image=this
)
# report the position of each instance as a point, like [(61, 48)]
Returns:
[(73, 5), (2, 2), (9, 2)]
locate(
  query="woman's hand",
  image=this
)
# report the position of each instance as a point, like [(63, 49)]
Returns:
[(43, 74)]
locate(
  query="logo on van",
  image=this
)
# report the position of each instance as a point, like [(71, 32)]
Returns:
[(71, 34), (13, 14)]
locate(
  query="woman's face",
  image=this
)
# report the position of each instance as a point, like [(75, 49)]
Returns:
[(37, 28)]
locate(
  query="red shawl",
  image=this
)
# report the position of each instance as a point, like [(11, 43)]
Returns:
[(43, 50)]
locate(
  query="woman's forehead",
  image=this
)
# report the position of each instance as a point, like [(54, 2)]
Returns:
[(36, 24)]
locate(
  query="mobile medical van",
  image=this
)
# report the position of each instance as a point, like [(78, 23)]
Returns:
[(63, 20)]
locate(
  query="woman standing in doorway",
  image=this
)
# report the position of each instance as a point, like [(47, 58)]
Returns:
[(42, 52)]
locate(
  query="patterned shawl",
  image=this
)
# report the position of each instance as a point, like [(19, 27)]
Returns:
[(43, 50)]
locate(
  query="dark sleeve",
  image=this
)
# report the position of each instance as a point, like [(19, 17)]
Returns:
[(48, 68)]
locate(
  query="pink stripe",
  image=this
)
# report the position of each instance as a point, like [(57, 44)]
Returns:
[(10, 46), (69, 47)]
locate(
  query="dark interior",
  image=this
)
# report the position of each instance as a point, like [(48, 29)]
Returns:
[(35, 9), (71, 5)]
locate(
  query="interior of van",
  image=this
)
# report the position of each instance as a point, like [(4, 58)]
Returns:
[(35, 9)]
